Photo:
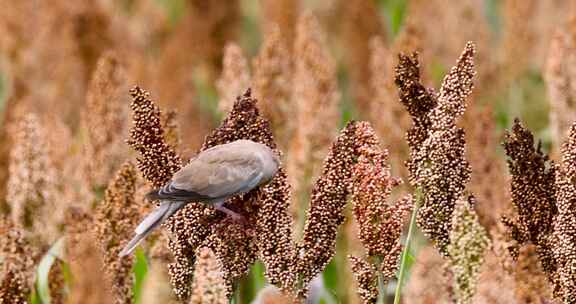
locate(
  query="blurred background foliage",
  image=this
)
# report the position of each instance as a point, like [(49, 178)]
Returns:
[(524, 95)]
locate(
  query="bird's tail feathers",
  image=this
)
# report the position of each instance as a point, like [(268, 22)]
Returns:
[(151, 221), (129, 248), (153, 195)]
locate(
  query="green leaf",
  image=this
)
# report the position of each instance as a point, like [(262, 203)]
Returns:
[(246, 289), (326, 296), (410, 259), (67, 273), (397, 12), (140, 269), (257, 276), (330, 276), (394, 12), (406, 255), (42, 283), (34, 299)]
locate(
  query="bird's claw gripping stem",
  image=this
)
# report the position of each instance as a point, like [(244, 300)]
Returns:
[(237, 217)]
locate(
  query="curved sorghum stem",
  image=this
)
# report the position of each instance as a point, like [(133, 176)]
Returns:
[(406, 252)]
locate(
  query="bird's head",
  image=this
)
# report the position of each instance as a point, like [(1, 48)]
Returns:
[(272, 165)]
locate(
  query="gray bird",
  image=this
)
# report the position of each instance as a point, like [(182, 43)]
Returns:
[(212, 177)]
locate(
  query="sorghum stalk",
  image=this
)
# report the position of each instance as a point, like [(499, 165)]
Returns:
[(404, 258)]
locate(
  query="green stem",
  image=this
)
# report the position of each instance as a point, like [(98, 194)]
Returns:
[(406, 252), (381, 290)]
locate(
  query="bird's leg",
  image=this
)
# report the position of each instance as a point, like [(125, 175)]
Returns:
[(234, 215)]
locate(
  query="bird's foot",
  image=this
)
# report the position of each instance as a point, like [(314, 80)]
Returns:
[(237, 217)]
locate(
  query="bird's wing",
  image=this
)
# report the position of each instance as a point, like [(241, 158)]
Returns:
[(220, 173), (169, 192)]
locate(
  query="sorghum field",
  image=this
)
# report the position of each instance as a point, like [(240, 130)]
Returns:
[(428, 150)]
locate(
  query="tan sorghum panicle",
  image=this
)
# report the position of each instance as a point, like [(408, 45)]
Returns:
[(274, 232), (185, 48), (43, 58), (32, 186), (564, 235), (427, 283), (455, 22), (468, 243), (531, 282), (495, 285), (315, 99), (236, 249), (388, 116), (560, 76), (408, 39), (442, 172), (105, 120), (88, 284), (273, 83), (195, 42), (488, 168), (327, 202), (158, 161), (234, 79), (456, 87), (380, 223), (62, 144), (171, 128), (16, 265), (501, 242), (209, 26), (14, 288), (386, 113), (84, 260), (174, 84), (533, 199), (418, 101), (78, 222), (533, 195), (527, 32), (366, 276), (94, 33), (518, 37), (360, 22), (6, 139), (283, 14), (208, 285), (156, 287), (188, 229), (115, 218)]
